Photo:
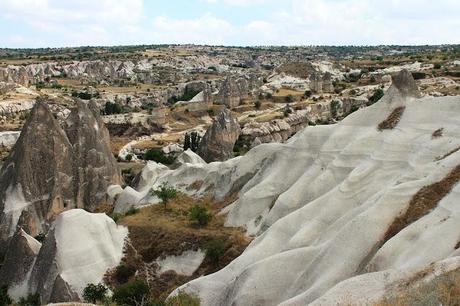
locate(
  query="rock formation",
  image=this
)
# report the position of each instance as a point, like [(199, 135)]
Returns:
[(379, 201), (19, 261), (234, 89), (52, 169), (78, 250), (406, 85), (217, 144), (277, 130)]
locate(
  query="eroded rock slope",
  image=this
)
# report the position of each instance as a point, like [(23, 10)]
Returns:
[(363, 212), (53, 168)]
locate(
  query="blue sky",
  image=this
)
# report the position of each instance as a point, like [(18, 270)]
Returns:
[(57, 23)]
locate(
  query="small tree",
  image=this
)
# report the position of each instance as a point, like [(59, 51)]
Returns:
[(200, 215), (159, 156), (129, 157), (192, 141), (257, 104), (214, 250), (307, 93), (164, 193), (93, 293), (133, 293), (123, 272), (290, 99)]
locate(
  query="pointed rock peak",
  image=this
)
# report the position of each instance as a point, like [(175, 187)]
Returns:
[(41, 123), (225, 116), (40, 109), (217, 144), (405, 83)]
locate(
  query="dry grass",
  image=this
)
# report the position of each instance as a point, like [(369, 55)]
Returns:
[(157, 232), (423, 289), (392, 120), (284, 92), (447, 154), (423, 202), (116, 143), (129, 89)]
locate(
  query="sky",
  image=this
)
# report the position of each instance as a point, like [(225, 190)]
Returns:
[(66, 23)]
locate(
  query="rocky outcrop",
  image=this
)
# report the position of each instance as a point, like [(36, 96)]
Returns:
[(18, 263), (218, 142), (278, 130), (9, 138), (188, 157), (8, 108), (380, 201), (78, 250), (53, 168), (234, 89), (405, 84), (94, 165)]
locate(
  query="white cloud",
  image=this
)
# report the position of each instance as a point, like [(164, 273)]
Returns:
[(295, 22), (204, 30), (77, 22)]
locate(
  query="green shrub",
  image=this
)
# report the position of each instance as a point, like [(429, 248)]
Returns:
[(257, 104), (159, 156), (129, 157), (214, 250), (132, 211), (31, 300), (354, 108), (132, 293), (123, 273), (378, 94), (200, 215), (93, 293), (5, 299), (437, 66), (115, 217), (183, 299), (40, 237), (164, 193), (289, 99), (112, 108)]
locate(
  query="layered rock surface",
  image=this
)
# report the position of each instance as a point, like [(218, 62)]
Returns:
[(53, 168), (217, 144), (342, 214)]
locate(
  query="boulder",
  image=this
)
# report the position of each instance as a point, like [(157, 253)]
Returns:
[(18, 263), (188, 157), (406, 84), (218, 142), (78, 250)]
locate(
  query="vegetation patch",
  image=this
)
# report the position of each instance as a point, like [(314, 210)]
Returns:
[(158, 156), (156, 232), (392, 120), (423, 202), (448, 154), (438, 133)]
